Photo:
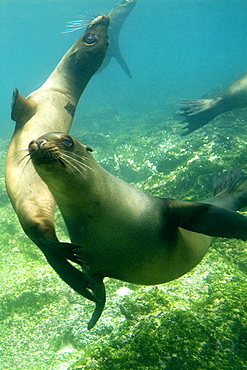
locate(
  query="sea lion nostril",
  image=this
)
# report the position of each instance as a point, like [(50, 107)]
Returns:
[(40, 143)]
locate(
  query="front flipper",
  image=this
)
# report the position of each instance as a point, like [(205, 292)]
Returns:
[(206, 219), (57, 254), (22, 108), (199, 112)]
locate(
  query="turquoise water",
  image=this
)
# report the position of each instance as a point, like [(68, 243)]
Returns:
[(175, 49)]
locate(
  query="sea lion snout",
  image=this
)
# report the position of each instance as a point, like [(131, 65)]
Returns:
[(38, 143), (42, 151), (102, 20)]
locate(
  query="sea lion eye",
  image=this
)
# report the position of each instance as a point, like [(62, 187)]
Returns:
[(90, 39), (67, 142)]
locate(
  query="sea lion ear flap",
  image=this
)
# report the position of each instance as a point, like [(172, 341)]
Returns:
[(22, 109), (207, 219)]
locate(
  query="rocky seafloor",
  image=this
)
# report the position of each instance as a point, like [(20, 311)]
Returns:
[(198, 321)]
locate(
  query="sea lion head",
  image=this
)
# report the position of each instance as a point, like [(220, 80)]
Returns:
[(93, 43), (59, 154)]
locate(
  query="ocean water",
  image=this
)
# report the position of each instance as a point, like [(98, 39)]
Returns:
[(175, 49)]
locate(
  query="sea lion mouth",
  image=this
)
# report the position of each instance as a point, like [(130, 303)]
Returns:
[(101, 20), (41, 151)]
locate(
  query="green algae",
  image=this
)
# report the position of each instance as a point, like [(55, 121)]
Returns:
[(196, 322)]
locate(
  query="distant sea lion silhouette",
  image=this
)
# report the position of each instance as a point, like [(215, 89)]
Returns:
[(200, 112), (51, 107), (118, 15), (123, 232)]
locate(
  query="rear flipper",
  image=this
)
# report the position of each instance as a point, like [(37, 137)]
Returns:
[(206, 219), (199, 112), (227, 194), (99, 292), (121, 61)]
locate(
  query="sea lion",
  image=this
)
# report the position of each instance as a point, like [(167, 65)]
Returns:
[(51, 107), (118, 15), (200, 112), (123, 232)]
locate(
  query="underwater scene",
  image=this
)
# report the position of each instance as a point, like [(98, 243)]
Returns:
[(162, 106)]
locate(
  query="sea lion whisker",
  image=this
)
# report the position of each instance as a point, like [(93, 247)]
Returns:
[(82, 165), (79, 160), (72, 28), (72, 166), (79, 23), (79, 156), (78, 166), (27, 162), (77, 163), (67, 160), (21, 150), (21, 155)]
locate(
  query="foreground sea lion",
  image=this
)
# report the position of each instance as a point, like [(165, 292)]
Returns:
[(200, 112), (51, 107), (123, 232)]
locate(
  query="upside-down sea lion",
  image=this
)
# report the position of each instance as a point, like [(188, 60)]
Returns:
[(51, 107), (125, 233), (117, 15), (199, 112)]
